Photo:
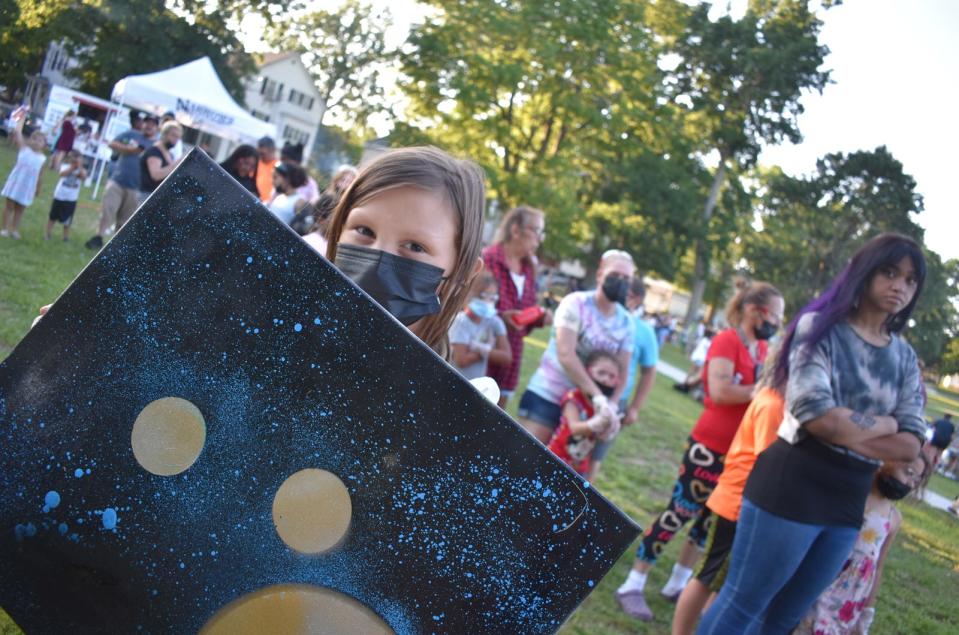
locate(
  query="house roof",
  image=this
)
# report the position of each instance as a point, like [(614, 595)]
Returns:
[(268, 59), (271, 58)]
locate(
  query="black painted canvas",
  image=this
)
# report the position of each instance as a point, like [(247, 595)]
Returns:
[(460, 521)]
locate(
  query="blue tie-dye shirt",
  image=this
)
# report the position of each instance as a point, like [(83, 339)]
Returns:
[(845, 371)]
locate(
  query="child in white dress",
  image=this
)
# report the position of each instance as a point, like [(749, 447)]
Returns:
[(23, 184)]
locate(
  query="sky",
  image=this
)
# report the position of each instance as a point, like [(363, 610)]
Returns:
[(895, 73), (895, 68)]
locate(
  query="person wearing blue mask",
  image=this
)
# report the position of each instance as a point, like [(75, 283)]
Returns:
[(478, 335)]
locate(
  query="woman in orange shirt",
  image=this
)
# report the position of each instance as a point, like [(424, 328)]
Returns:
[(756, 432)]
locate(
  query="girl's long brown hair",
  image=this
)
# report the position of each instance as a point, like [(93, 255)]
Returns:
[(428, 168)]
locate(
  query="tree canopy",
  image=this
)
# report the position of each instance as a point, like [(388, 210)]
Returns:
[(112, 39)]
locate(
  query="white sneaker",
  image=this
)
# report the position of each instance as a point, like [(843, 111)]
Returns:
[(4, 233)]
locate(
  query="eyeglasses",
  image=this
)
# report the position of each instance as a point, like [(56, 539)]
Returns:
[(538, 232)]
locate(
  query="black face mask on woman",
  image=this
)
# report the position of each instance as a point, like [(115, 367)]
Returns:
[(404, 287), (891, 487), (765, 330), (615, 288)]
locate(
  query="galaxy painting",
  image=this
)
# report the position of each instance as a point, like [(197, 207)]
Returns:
[(213, 429)]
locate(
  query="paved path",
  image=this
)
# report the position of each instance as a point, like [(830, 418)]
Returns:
[(937, 501), (670, 371)]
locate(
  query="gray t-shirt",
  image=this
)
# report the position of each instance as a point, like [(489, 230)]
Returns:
[(126, 172), (465, 331), (845, 371)]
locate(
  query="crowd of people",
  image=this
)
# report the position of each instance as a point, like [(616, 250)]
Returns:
[(810, 430)]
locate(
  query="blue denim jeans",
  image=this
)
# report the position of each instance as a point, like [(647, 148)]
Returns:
[(777, 570)]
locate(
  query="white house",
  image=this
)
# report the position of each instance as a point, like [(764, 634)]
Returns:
[(283, 93), (56, 64)]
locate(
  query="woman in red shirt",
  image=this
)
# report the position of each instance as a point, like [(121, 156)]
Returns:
[(732, 368), (511, 258)]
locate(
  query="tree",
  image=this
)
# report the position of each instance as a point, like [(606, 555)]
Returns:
[(557, 102), (812, 225), (112, 39), (26, 30), (934, 330), (742, 81), (345, 51)]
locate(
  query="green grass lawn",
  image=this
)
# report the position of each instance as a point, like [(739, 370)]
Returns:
[(673, 354), (922, 575)]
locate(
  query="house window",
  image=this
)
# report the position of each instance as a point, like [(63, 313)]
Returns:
[(260, 115), (295, 135)]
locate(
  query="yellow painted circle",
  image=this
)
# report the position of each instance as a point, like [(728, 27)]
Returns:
[(296, 609), (312, 511), (168, 436)]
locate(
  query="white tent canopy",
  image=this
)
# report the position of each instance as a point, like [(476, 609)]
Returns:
[(194, 92)]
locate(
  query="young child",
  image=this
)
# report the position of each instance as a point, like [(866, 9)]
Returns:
[(409, 233), (66, 194), (23, 184), (848, 604), (580, 425), (478, 335)]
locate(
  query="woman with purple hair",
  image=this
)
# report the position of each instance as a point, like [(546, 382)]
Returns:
[(853, 400)]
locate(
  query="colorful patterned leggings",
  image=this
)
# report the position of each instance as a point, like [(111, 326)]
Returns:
[(697, 477)]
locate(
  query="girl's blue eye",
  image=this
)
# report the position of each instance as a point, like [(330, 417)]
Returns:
[(364, 230), (417, 248)]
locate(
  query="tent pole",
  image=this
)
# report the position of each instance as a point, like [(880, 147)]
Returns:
[(102, 162)]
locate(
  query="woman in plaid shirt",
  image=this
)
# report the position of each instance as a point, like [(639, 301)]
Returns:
[(511, 258)]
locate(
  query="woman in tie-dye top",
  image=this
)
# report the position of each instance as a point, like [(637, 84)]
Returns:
[(853, 400)]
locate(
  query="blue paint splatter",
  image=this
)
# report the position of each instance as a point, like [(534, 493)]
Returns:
[(78, 472), (51, 500), (63, 529), (316, 320), (249, 259), (109, 519), (297, 327)]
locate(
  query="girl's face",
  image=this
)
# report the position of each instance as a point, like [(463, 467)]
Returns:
[(245, 165), (604, 371), (37, 141), (892, 288), (531, 234), (908, 472), (406, 221), (773, 312), (488, 294), (279, 182)]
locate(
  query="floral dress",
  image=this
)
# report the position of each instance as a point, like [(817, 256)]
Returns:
[(837, 610)]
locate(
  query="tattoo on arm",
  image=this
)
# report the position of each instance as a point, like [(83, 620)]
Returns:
[(862, 420)]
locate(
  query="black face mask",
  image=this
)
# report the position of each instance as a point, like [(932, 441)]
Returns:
[(615, 288), (169, 146), (765, 330), (606, 390), (892, 488), (406, 288)]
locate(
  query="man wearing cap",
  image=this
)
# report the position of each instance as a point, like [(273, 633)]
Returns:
[(121, 195), (266, 148), (176, 151)]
